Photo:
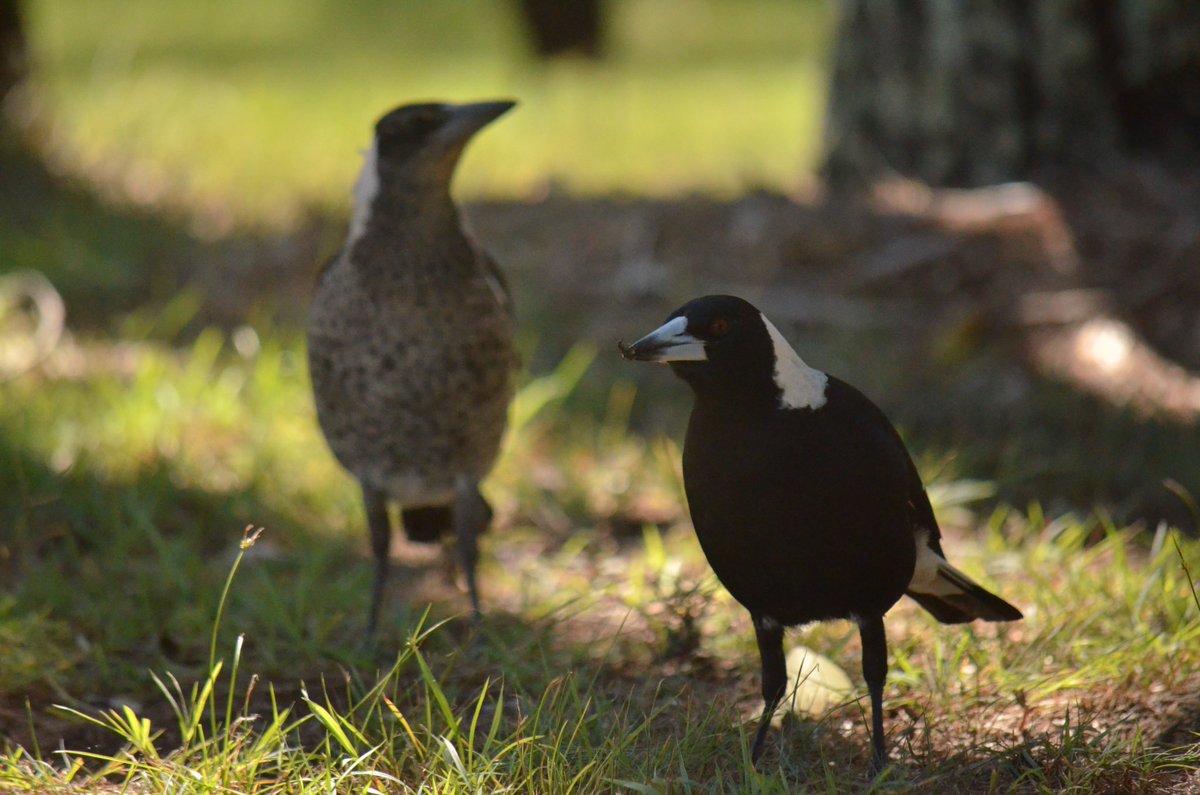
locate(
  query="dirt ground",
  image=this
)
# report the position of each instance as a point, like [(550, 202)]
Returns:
[(1090, 289), (1012, 263), (1026, 310)]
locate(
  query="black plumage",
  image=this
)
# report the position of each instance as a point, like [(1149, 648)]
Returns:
[(803, 496), (410, 340)]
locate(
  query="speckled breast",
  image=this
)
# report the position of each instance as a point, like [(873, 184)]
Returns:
[(412, 374)]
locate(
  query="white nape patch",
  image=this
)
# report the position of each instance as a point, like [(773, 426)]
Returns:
[(933, 574), (365, 189), (490, 274), (802, 386), (497, 289)]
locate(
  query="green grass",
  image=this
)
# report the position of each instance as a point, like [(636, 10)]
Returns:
[(251, 113), (148, 644), (134, 486)]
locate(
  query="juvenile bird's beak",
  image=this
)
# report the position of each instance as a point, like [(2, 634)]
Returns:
[(466, 120), (669, 342)]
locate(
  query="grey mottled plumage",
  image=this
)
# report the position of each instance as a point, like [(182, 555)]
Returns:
[(411, 339)]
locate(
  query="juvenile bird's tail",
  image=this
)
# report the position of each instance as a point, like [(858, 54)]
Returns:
[(951, 596), (426, 524)]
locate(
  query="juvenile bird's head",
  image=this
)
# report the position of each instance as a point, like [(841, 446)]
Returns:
[(723, 346), (414, 152), (432, 134)]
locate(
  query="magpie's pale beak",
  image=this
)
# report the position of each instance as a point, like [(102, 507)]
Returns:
[(466, 120), (669, 342)]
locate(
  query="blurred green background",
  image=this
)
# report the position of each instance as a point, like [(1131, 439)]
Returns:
[(180, 170), (249, 112)]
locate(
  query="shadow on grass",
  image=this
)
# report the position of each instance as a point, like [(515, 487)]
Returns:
[(928, 317), (123, 578), (917, 311), (106, 578), (105, 262), (121, 270)]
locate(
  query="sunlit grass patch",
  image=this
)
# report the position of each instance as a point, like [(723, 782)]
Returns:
[(973, 709), (37, 649), (128, 469), (250, 113), (134, 463), (610, 657)]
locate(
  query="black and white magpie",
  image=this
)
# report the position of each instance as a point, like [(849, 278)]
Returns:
[(410, 340), (804, 498)]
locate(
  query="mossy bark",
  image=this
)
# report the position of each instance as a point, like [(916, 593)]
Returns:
[(13, 50), (562, 27), (967, 93)]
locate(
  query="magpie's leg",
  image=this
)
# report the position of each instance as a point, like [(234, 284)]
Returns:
[(471, 515), (874, 647), (375, 503), (769, 633)]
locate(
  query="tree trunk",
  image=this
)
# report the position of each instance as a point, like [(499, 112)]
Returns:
[(13, 51), (561, 27), (969, 93)]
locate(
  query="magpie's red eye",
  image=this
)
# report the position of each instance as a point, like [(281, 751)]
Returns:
[(718, 327)]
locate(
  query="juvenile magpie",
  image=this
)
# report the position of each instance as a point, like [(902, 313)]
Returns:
[(410, 341), (804, 498)]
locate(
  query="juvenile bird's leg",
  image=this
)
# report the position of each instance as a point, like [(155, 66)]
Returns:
[(375, 503), (874, 646), (769, 633), (471, 515)]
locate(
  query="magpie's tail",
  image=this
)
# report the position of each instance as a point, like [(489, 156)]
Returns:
[(964, 607), (953, 597)]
